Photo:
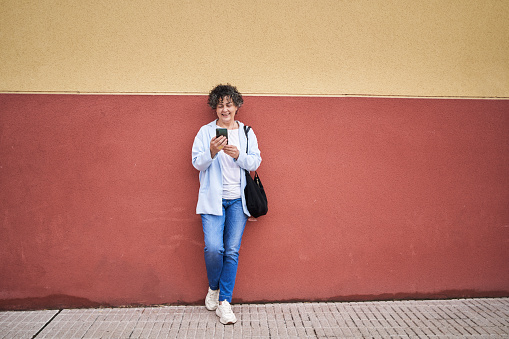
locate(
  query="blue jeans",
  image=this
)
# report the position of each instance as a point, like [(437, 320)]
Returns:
[(223, 234)]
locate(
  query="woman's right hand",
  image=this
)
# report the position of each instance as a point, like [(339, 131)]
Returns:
[(217, 144)]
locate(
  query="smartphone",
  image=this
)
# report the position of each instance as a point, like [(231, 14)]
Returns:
[(222, 131)]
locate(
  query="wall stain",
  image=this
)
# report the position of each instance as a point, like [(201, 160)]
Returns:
[(61, 301), (54, 301)]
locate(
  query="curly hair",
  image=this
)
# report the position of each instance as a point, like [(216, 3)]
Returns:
[(220, 91)]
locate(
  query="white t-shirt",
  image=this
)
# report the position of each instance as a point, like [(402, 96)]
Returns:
[(231, 171)]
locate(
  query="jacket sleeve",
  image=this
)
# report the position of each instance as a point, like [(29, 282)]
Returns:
[(201, 151), (252, 159)]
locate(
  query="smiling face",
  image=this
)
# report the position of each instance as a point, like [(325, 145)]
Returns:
[(226, 111)]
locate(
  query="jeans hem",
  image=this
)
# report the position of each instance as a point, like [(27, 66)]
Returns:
[(223, 298)]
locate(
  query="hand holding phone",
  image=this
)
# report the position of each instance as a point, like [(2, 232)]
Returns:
[(219, 141)]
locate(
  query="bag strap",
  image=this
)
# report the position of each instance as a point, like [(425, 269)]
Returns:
[(246, 130)]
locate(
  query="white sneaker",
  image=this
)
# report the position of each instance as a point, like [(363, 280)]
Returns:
[(225, 313), (212, 299)]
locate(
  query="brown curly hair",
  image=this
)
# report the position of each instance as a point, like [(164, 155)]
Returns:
[(220, 91)]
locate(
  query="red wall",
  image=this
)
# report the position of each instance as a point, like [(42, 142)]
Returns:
[(370, 198)]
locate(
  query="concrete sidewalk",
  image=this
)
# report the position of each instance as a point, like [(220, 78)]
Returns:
[(460, 318)]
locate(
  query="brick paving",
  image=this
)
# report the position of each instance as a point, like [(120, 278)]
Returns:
[(459, 318)]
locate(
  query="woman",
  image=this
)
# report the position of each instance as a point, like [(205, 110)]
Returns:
[(221, 202)]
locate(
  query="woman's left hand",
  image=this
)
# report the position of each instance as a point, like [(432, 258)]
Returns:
[(232, 151)]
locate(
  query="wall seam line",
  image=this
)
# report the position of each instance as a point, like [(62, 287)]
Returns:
[(266, 94)]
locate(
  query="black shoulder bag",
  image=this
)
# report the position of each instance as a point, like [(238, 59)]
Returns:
[(256, 200)]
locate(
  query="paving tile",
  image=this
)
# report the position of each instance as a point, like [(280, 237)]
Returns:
[(466, 318), (17, 324)]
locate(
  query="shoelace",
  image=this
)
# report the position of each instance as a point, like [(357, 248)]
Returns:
[(226, 308), (213, 297)]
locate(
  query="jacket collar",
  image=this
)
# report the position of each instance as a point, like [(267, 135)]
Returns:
[(213, 124)]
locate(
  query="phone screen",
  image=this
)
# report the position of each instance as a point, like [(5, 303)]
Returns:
[(222, 131)]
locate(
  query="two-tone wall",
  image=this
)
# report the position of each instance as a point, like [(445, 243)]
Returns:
[(383, 126)]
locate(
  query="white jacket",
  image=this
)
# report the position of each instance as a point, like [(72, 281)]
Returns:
[(211, 177)]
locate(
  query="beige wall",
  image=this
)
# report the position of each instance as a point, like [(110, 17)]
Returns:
[(406, 47)]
